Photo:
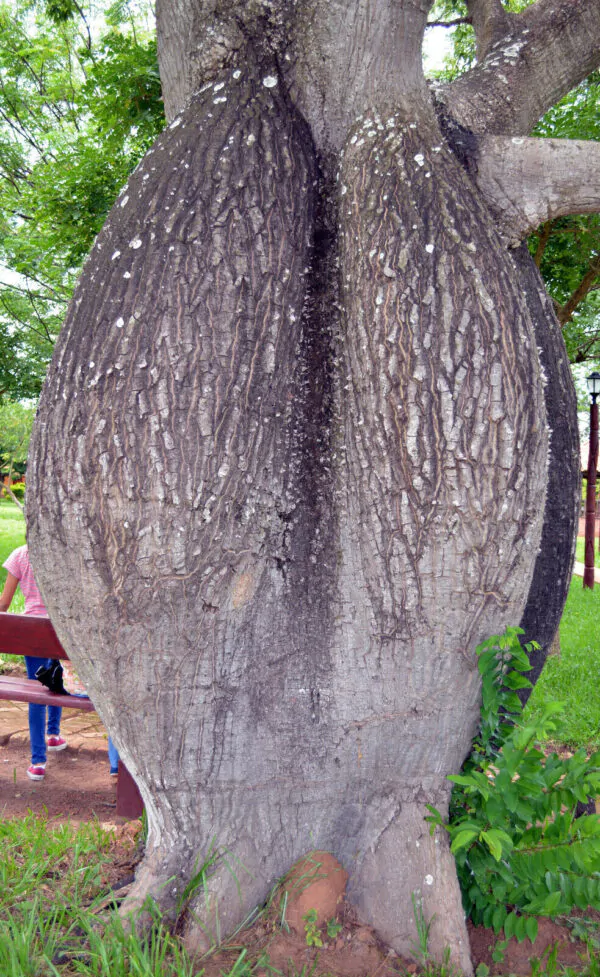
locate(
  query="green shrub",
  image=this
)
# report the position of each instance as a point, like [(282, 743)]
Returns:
[(18, 490), (520, 851)]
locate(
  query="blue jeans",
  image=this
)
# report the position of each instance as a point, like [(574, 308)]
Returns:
[(113, 756), (37, 716)]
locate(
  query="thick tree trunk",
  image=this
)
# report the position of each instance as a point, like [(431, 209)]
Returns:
[(291, 459)]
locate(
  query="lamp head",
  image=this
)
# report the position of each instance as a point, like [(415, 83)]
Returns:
[(593, 385)]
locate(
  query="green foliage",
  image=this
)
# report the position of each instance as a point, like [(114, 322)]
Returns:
[(18, 490), (51, 899), (79, 107), (423, 927), (16, 421), (12, 535), (311, 930), (520, 852)]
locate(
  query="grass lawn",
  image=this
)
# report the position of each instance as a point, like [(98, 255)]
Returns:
[(574, 677), (12, 534), (580, 551)]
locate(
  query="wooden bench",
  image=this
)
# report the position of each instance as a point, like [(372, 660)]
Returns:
[(34, 636)]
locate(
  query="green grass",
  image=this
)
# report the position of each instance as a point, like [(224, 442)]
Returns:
[(12, 534), (580, 551), (53, 915), (574, 677)]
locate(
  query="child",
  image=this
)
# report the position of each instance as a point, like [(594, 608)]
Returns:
[(19, 573)]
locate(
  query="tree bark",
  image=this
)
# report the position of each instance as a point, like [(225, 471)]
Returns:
[(291, 458)]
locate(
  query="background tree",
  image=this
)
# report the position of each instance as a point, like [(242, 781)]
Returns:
[(80, 104), (292, 452), (16, 420)]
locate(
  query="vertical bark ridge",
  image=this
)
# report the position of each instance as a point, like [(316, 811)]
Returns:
[(170, 404), (446, 452), (442, 350)]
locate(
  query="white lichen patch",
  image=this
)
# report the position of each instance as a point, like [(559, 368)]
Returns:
[(251, 139), (120, 322), (237, 74), (270, 81), (513, 51), (115, 255), (219, 85), (124, 200), (135, 243), (419, 159), (429, 248), (428, 880), (127, 275)]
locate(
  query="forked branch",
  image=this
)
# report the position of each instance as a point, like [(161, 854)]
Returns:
[(544, 52)]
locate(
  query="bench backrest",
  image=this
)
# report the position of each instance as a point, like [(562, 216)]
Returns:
[(24, 634)]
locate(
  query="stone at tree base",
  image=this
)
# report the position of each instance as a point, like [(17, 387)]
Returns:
[(317, 881)]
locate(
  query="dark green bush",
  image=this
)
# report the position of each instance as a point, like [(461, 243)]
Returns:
[(520, 851)]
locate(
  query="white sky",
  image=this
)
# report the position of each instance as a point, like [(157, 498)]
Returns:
[(436, 46)]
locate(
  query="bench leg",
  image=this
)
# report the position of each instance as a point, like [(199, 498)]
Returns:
[(129, 801)]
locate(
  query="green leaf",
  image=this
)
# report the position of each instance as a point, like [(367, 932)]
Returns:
[(462, 839), (551, 904), (510, 925), (531, 928), (494, 845)]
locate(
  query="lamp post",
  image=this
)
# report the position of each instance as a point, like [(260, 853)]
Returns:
[(593, 385)]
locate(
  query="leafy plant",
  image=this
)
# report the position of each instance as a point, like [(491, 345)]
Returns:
[(520, 851), (333, 928), (311, 930)]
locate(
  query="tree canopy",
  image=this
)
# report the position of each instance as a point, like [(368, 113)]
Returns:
[(80, 103)]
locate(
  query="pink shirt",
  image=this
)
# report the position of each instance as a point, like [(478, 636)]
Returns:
[(18, 564)]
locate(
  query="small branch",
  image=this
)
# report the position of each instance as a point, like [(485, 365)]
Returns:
[(448, 23), (7, 489), (545, 233), (586, 285)]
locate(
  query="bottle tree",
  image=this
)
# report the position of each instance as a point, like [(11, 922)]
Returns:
[(306, 422)]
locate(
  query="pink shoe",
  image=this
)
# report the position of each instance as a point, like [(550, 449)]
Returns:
[(56, 743), (36, 771)]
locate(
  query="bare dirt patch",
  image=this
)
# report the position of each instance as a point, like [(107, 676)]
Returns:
[(77, 785)]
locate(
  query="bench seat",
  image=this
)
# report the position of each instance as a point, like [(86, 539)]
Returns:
[(16, 689), (34, 636)]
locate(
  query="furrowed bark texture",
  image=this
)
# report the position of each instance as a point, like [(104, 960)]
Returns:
[(292, 455)]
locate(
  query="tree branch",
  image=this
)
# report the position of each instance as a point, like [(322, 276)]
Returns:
[(547, 50), (544, 237), (586, 285), (530, 181), (490, 23), (448, 23)]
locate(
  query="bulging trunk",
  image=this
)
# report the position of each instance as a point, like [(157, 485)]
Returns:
[(291, 461)]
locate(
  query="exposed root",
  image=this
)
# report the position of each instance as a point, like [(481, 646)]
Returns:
[(407, 889)]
